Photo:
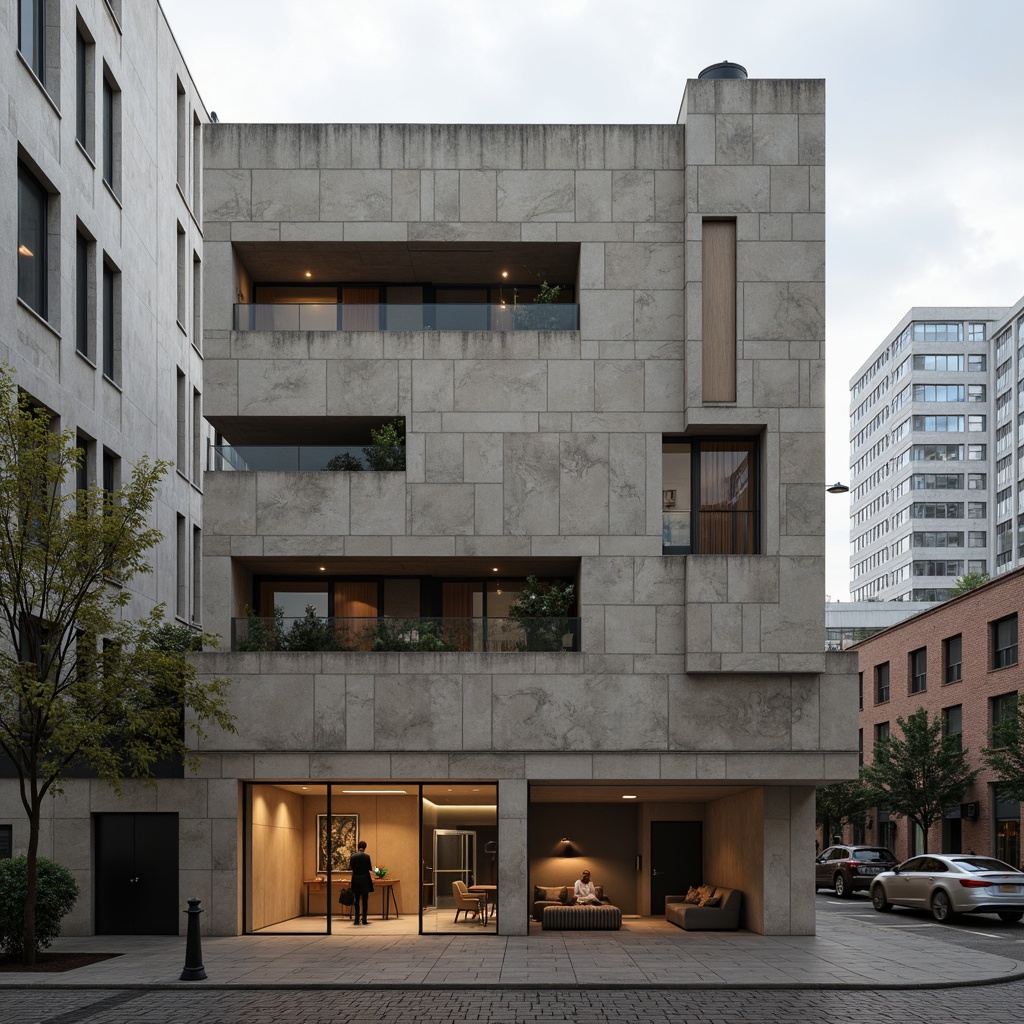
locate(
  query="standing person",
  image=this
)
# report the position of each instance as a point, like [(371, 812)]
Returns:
[(585, 891), (362, 880)]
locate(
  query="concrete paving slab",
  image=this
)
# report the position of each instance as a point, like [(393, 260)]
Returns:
[(646, 953)]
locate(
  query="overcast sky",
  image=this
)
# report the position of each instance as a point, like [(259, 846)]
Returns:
[(925, 149)]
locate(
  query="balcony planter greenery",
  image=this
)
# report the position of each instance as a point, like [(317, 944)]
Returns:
[(539, 316), (310, 633), (542, 609), (385, 455), (409, 635)]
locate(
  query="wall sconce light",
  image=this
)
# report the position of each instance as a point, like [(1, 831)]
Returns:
[(566, 849), (837, 488)]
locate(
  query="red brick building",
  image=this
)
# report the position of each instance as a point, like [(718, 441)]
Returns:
[(959, 660)]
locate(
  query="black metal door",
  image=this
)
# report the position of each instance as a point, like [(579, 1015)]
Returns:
[(677, 859), (136, 874)]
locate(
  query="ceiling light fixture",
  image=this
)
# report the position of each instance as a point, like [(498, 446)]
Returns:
[(375, 792), (309, 273), (24, 250), (629, 796)]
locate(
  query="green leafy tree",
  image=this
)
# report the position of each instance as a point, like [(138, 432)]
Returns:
[(968, 582), (387, 452), (1006, 755), (919, 774), (541, 608), (839, 805), (81, 684)]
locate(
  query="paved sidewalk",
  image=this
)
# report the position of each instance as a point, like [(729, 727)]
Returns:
[(646, 953)]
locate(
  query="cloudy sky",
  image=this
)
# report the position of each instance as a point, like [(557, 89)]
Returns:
[(925, 148)]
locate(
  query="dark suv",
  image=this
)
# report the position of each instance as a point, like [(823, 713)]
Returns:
[(848, 868)]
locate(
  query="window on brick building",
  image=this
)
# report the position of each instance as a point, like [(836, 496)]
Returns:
[(1004, 642), (952, 658), (882, 683), (881, 731), (953, 722), (919, 670)]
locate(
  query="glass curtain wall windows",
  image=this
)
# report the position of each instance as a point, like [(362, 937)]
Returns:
[(299, 838)]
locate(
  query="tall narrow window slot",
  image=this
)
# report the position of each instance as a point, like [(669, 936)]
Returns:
[(719, 311)]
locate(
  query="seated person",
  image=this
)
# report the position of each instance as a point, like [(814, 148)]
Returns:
[(585, 891)]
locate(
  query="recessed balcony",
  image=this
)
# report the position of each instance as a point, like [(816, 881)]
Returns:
[(406, 286)]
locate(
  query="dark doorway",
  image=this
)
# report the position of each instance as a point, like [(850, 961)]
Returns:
[(952, 835), (136, 874), (677, 859)]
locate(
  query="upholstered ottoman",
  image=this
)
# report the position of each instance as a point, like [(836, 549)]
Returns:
[(587, 918)]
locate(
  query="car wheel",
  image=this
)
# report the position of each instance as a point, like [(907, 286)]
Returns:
[(1012, 916), (878, 900), (942, 909), (842, 886)]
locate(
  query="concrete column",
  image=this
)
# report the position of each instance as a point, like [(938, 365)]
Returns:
[(513, 913)]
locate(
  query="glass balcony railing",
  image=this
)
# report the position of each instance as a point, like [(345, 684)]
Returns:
[(323, 316), (481, 634), (275, 458), (710, 531)]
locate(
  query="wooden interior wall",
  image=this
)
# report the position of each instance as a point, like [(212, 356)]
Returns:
[(277, 852), (390, 827), (734, 839), (718, 358)]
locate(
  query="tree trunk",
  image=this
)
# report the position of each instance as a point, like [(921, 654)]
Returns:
[(28, 953)]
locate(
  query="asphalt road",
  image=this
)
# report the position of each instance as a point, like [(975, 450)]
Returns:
[(997, 1004), (984, 932)]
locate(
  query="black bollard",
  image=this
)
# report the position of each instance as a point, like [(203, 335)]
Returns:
[(194, 970)]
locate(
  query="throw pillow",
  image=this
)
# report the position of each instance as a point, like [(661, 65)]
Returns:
[(599, 890), (692, 895), (563, 895), (711, 901), (705, 891)]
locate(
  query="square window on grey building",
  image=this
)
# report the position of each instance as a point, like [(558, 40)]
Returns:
[(6, 841), (33, 208), (709, 497)]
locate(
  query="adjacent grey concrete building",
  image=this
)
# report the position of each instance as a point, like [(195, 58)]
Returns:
[(935, 472), (456, 372)]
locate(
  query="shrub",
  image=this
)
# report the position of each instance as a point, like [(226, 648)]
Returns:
[(346, 462), (56, 893), (409, 635), (261, 635), (387, 453), (312, 633), (541, 608)]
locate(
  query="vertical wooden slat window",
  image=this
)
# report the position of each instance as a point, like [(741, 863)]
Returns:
[(719, 311)]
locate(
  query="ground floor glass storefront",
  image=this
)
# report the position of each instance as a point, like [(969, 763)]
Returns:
[(433, 846)]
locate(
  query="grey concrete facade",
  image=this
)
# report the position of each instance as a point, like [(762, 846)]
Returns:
[(140, 217), (924, 458), (703, 669), (697, 679)]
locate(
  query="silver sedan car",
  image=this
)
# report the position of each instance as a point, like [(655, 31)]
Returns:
[(952, 883)]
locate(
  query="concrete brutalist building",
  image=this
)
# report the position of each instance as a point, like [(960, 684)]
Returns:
[(653, 437)]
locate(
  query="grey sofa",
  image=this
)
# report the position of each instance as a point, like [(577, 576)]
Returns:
[(724, 917)]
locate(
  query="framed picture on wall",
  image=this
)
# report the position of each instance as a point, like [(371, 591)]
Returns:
[(343, 833)]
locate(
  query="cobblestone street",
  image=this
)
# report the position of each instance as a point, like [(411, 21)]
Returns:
[(1002, 1005)]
